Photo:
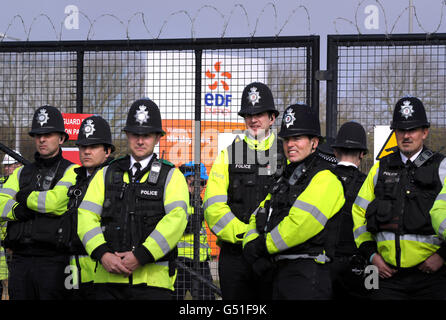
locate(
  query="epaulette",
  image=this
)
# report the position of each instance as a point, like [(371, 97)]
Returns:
[(116, 159), (164, 161)]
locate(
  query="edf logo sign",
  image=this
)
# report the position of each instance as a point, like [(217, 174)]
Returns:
[(214, 101)]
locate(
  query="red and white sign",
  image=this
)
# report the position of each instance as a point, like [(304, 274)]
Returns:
[(72, 122), (71, 154)]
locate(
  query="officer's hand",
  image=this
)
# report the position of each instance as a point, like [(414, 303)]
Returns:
[(113, 264), (261, 266), (22, 213), (22, 196), (432, 264), (255, 249), (129, 260), (385, 271)]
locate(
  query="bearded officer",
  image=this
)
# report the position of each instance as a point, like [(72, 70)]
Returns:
[(38, 228), (133, 214), (392, 226), (290, 226), (238, 182)]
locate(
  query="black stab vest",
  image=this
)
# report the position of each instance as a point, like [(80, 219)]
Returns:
[(131, 211), (44, 234), (283, 196), (404, 195), (250, 177)]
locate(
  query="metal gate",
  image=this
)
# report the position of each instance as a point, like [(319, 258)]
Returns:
[(196, 83), (367, 74)]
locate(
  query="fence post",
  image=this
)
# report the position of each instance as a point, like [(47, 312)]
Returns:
[(80, 82), (196, 221), (332, 91)]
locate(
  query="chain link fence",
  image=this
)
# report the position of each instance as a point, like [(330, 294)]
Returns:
[(370, 73), (196, 83)]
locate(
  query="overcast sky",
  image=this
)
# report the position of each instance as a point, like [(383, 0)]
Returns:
[(110, 19)]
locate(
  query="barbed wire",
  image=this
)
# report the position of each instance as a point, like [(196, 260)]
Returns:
[(224, 18), (355, 23)]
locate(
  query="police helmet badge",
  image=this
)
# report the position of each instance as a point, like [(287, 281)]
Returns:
[(88, 128), (42, 117), (406, 109), (141, 115), (289, 117), (253, 96)]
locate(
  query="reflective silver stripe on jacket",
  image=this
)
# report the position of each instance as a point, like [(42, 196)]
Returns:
[(319, 258), (41, 199), (9, 192), (223, 222), (91, 206), (161, 241), (7, 208), (311, 209), (359, 231), (250, 232), (390, 236), (90, 235), (442, 171), (215, 199), (361, 202)]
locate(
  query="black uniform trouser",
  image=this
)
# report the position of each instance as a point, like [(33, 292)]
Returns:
[(184, 281), (38, 278), (346, 285), (301, 279), (237, 279), (412, 284), (124, 291), (86, 291)]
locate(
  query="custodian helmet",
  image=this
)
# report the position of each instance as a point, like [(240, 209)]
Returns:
[(47, 119), (144, 117), (351, 135), (299, 119), (409, 113), (95, 130), (257, 98)]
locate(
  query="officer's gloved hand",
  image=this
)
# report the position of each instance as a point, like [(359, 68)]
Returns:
[(255, 249), (22, 213), (261, 266), (22, 196)]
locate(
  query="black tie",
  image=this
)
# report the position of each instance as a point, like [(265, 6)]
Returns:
[(137, 165)]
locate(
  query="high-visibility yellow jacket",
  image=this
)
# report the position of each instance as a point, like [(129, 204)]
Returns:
[(53, 201), (399, 250), (219, 216), (438, 214), (3, 265), (160, 242), (321, 199), (186, 243)]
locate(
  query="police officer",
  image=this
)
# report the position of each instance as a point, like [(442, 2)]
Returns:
[(9, 165), (184, 281), (347, 267), (134, 213), (392, 226), (95, 148), (290, 225), (238, 182), (37, 227)]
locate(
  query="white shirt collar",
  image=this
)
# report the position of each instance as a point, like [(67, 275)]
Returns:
[(347, 164), (143, 163), (404, 158)]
